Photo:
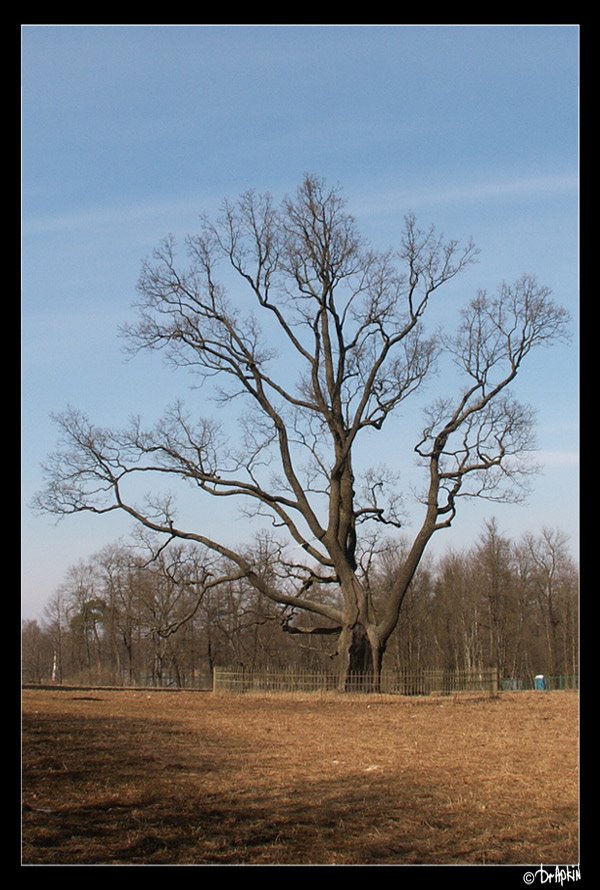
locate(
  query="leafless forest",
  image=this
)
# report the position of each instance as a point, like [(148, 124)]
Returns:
[(122, 619)]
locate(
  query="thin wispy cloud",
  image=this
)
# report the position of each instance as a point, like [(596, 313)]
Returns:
[(558, 458), (185, 208), (87, 218), (467, 192)]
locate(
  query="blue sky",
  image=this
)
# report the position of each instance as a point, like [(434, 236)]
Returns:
[(130, 133)]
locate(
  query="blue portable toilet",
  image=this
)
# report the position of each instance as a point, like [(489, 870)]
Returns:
[(540, 682)]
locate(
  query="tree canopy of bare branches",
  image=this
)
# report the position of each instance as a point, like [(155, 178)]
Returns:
[(319, 338)]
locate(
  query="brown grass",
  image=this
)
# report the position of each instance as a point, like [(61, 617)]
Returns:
[(134, 777)]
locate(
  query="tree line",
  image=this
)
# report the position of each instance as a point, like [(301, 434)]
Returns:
[(138, 613)]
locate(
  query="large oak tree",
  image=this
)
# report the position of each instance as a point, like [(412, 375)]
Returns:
[(320, 339)]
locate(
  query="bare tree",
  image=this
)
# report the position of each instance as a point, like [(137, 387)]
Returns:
[(36, 653), (56, 623), (552, 579), (354, 349)]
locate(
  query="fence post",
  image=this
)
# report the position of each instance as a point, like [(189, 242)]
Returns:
[(494, 682)]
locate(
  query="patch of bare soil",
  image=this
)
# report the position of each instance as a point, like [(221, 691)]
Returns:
[(117, 777)]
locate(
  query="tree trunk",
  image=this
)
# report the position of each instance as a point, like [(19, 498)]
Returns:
[(361, 657)]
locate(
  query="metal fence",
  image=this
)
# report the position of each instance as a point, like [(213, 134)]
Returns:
[(421, 682), (523, 684)]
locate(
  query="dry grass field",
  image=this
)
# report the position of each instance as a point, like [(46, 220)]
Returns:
[(189, 778)]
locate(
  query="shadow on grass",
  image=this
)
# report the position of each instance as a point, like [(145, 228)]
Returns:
[(134, 791)]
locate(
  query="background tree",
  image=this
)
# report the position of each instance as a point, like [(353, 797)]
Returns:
[(119, 572), (456, 614), (495, 581), (351, 321), (85, 616), (55, 622), (550, 578), (36, 652)]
